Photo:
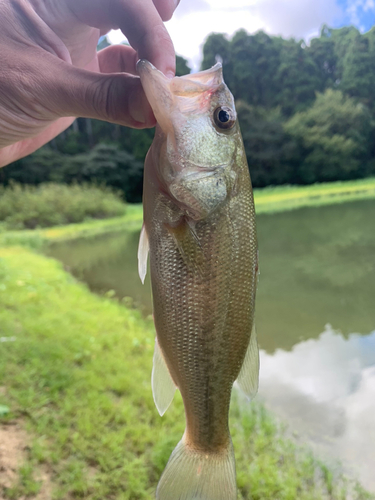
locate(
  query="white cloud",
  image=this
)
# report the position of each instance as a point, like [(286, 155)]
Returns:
[(194, 20), (189, 33), (186, 7), (297, 18)]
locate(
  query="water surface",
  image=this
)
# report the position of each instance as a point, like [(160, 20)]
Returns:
[(315, 319)]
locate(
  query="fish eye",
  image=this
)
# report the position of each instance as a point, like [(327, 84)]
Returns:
[(224, 117)]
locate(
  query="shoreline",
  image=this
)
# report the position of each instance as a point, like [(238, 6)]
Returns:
[(267, 200)]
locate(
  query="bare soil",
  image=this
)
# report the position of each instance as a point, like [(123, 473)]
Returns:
[(13, 454)]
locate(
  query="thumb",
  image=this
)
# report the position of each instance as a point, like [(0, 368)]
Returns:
[(113, 97)]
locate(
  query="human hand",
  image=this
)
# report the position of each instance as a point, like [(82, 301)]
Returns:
[(50, 71)]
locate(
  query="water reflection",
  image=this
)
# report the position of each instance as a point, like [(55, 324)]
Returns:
[(317, 266), (107, 262), (325, 389)]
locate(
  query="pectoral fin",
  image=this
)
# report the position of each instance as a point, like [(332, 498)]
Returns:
[(248, 379), (189, 246), (143, 249), (163, 387)]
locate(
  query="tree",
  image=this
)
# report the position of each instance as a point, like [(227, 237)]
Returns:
[(216, 48), (265, 71), (106, 164), (358, 74), (322, 51), (270, 151), (334, 137), (298, 77), (182, 67)]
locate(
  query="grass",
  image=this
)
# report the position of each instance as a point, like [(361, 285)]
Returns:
[(78, 373), (30, 207), (281, 198)]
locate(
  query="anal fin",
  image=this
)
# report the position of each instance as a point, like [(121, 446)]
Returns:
[(143, 249), (248, 379), (163, 387)]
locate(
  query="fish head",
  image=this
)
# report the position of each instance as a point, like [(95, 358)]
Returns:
[(197, 135)]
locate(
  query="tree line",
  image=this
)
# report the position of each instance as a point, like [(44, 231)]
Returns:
[(306, 114)]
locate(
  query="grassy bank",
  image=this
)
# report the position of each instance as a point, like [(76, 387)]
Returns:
[(39, 237), (46, 205), (78, 374), (279, 199), (267, 200)]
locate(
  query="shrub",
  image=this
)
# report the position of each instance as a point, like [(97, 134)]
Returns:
[(29, 207)]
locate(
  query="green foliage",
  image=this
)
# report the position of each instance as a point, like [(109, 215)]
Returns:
[(28, 207), (334, 136), (270, 150), (265, 71), (182, 67), (80, 369), (104, 164), (296, 126)]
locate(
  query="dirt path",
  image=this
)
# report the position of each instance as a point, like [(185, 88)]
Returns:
[(13, 453), (13, 441)]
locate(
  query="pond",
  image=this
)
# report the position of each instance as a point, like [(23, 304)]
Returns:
[(315, 318)]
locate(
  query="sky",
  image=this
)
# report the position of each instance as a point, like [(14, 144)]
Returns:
[(194, 20)]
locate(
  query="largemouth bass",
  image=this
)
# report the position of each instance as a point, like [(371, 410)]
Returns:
[(199, 228)]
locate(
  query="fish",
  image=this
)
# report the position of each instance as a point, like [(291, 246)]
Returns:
[(199, 231)]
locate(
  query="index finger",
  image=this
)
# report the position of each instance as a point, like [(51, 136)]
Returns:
[(142, 25)]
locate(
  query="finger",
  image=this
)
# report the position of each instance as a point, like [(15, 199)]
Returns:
[(166, 8), (115, 97), (118, 59), (140, 22), (145, 30)]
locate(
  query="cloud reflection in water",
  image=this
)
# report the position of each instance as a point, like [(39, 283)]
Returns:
[(325, 389)]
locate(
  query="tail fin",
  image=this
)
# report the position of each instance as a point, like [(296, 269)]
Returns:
[(196, 475)]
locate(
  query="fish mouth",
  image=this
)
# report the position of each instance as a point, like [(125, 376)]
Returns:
[(157, 89), (170, 99)]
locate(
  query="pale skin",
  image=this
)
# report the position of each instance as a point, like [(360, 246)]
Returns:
[(51, 73)]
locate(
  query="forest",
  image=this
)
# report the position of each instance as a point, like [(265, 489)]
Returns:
[(306, 112)]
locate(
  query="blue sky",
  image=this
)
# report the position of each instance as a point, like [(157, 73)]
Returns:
[(360, 13), (195, 19)]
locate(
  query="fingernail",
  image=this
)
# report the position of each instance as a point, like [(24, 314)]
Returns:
[(136, 109), (170, 74)]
